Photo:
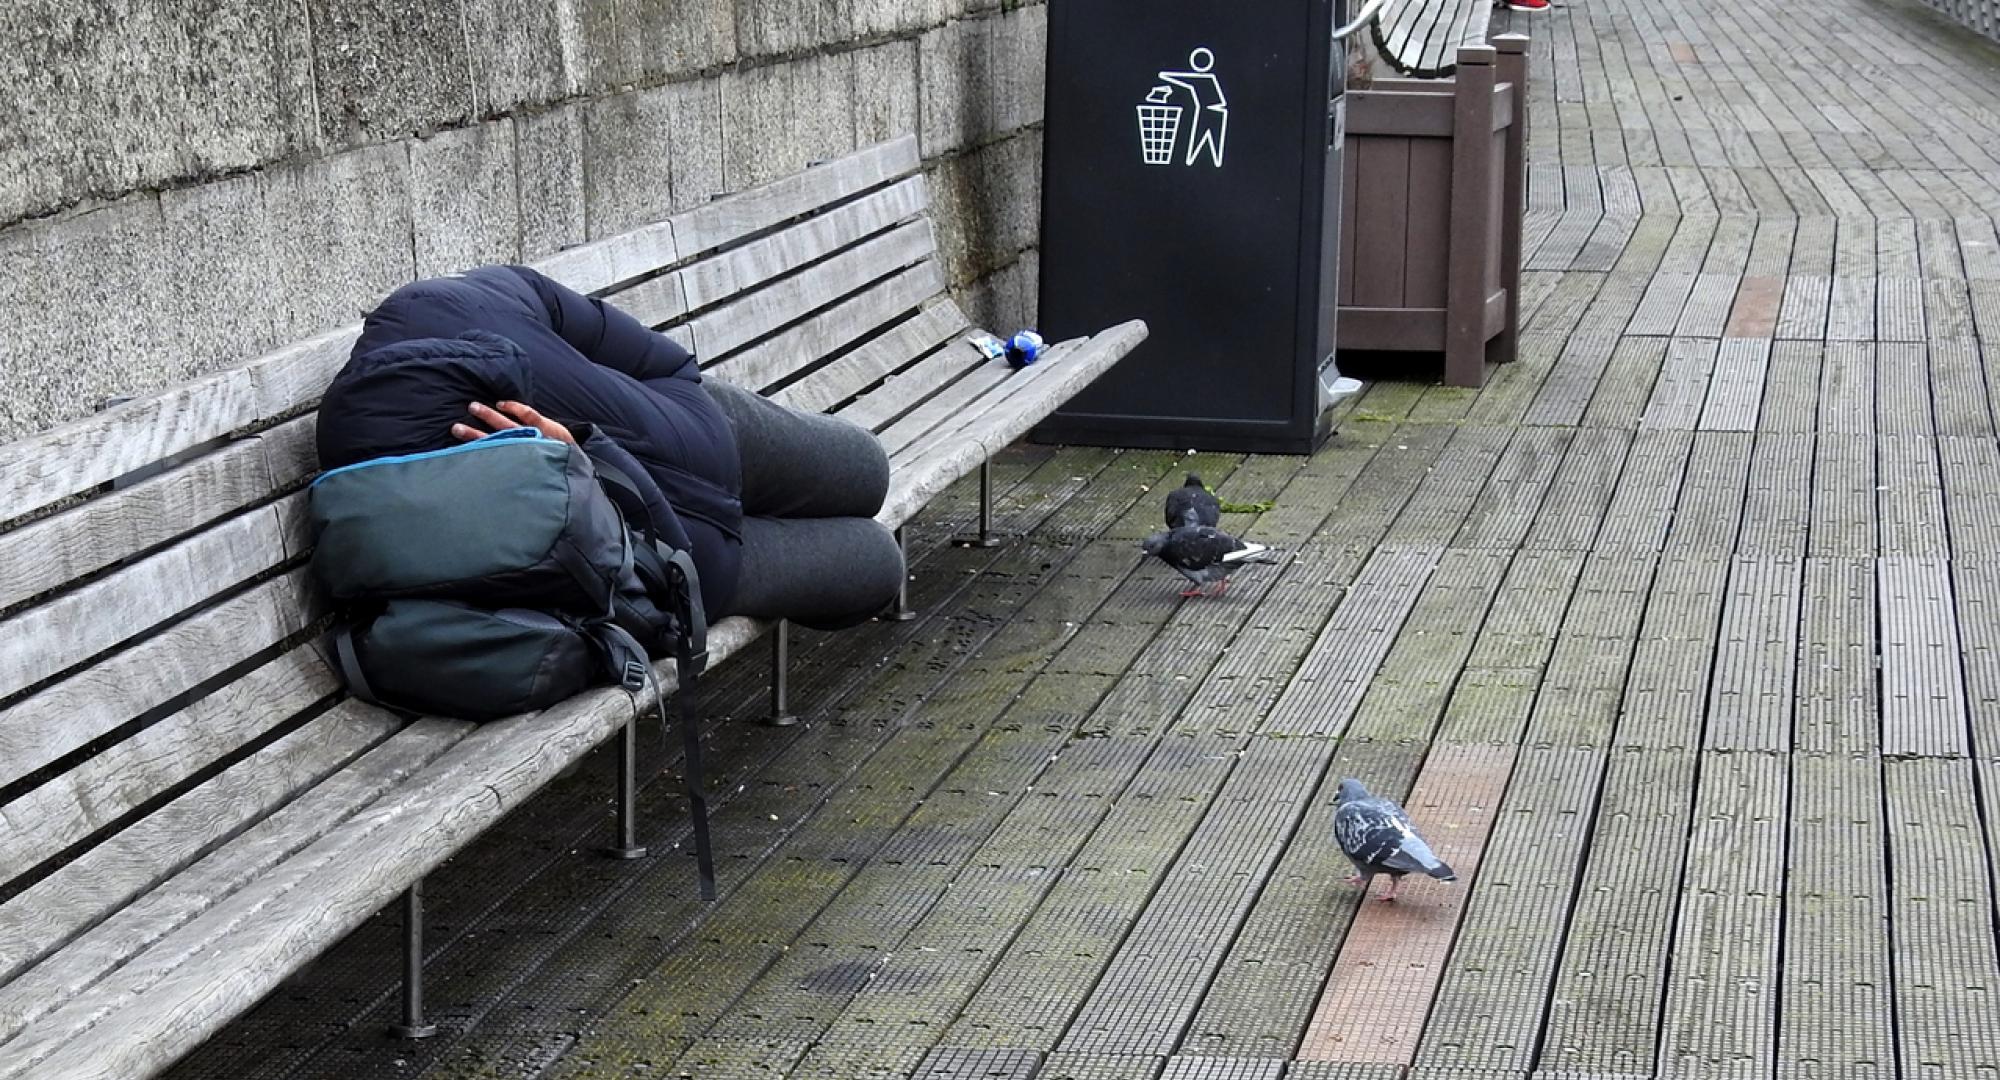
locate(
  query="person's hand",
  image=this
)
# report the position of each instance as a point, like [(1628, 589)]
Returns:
[(510, 414)]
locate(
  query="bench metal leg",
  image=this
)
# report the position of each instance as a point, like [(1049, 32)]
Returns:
[(413, 1025), (984, 538), (628, 845), (781, 664), (902, 612)]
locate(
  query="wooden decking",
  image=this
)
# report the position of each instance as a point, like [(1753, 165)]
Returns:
[(1682, 637)]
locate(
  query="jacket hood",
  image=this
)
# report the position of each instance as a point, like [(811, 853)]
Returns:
[(403, 398)]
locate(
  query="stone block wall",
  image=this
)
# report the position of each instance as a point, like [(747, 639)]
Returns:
[(185, 184)]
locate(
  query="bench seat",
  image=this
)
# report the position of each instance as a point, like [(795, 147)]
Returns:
[(193, 808)]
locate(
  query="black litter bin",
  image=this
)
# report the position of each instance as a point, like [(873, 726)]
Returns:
[(1191, 178)]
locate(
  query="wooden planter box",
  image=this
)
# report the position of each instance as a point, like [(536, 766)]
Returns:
[(1430, 237)]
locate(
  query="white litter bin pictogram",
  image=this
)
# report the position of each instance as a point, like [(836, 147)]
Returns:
[(1159, 126)]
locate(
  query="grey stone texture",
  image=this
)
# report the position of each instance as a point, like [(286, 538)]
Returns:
[(88, 314), (465, 198), (619, 44), (981, 78), (782, 117), (628, 161), (220, 238), (885, 92), (102, 97), (340, 236), (388, 68), (524, 52), (989, 205), (186, 184), (1005, 300), (874, 17), (768, 27), (548, 150)]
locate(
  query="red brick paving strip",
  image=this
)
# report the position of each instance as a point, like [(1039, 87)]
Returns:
[(1755, 314), (1388, 970)]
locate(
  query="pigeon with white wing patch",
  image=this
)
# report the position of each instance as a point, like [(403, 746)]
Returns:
[(1379, 839), (1203, 554)]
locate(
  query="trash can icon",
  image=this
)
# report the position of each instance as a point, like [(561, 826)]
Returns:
[(1159, 126)]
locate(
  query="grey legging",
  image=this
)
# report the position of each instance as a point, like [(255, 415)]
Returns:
[(812, 484)]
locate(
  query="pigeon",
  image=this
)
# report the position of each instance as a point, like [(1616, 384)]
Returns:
[(1203, 554), (1192, 504), (1378, 838)]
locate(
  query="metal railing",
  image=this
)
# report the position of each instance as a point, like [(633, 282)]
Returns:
[(1367, 14)]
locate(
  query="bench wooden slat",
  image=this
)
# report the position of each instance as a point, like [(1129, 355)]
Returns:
[(970, 414), (182, 988), (44, 469), (983, 379), (606, 263), (45, 640), (737, 217), (778, 358), (907, 342), (1032, 400), (83, 540), (66, 716), (112, 874), (655, 302), (1422, 37), (124, 777), (1443, 49), (739, 322), (736, 271), (900, 393), (228, 870)]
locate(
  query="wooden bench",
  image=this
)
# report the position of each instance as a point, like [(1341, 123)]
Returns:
[(1422, 37), (192, 809)]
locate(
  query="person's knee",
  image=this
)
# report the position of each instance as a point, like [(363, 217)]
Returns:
[(877, 564), (872, 574), (873, 465), (863, 466)]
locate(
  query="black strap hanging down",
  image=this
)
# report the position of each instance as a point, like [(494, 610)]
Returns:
[(635, 675), (350, 665), (349, 662), (697, 787), (690, 660)]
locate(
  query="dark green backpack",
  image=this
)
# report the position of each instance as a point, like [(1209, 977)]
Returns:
[(495, 578)]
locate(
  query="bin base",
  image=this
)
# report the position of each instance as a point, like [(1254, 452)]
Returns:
[(1143, 433)]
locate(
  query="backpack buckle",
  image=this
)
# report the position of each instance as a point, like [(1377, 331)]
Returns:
[(634, 677)]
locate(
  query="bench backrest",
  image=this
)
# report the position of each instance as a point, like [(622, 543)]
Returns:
[(156, 624)]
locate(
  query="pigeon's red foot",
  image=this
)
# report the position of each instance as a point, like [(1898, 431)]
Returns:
[(1354, 879), (1387, 898), (1221, 587), (1193, 592)]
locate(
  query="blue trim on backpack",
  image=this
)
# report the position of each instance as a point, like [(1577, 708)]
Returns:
[(511, 435)]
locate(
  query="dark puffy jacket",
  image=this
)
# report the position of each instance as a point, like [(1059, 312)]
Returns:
[(509, 333)]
